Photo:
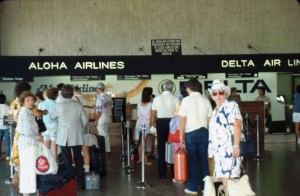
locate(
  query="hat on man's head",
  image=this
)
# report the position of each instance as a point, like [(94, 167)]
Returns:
[(100, 85), (217, 85)]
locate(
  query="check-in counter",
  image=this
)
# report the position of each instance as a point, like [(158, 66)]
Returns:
[(254, 108)]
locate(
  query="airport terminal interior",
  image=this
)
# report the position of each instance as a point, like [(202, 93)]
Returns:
[(275, 174)]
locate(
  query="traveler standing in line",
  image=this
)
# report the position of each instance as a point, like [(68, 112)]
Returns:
[(143, 118), (39, 98), (28, 143), (163, 109), (4, 129), (267, 101), (59, 97), (88, 108), (72, 121), (226, 121), (14, 110), (51, 134), (234, 96), (195, 112), (296, 113), (103, 114)]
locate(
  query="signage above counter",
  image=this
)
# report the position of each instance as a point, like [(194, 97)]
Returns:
[(30, 66)]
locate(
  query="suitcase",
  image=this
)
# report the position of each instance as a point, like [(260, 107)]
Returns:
[(98, 163), (180, 165), (46, 183), (169, 155), (92, 181), (68, 189), (149, 144), (100, 142)]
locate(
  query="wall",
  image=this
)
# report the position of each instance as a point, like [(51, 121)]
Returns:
[(113, 27)]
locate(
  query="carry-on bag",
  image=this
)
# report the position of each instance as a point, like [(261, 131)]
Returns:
[(149, 144), (68, 189), (98, 163), (180, 165), (169, 154), (46, 183), (92, 181)]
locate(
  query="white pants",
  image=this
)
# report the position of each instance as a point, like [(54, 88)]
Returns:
[(103, 130), (27, 170)]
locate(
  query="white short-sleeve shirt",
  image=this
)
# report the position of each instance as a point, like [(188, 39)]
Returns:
[(197, 109), (165, 105)]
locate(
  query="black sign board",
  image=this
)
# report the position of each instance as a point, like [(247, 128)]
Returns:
[(166, 47), (87, 78), (16, 79), (119, 109), (198, 76), (134, 77), (33, 66), (7, 120), (241, 75)]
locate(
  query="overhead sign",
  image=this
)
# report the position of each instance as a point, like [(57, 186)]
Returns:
[(198, 76), (21, 66), (86, 78), (241, 75), (133, 77), (166, 47), (16, 79)]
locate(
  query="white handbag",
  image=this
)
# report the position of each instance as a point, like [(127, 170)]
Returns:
[(210, 185), (240, 187), (45, 163)]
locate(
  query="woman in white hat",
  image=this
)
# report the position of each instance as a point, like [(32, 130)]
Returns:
[(226, 121)]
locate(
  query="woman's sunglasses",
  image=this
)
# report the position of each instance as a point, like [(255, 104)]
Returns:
[(216, 93)]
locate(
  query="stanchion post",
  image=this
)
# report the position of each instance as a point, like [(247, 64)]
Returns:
[(143, 184), (122, 157), (258, 156), (128, 169)]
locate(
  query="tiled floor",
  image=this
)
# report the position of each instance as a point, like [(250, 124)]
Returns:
[(278, 174)]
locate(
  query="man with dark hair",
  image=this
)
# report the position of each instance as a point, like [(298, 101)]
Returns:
[(263, 97), (59, 97), (4, 130), (72, 120), (163, 109), (195, 112)]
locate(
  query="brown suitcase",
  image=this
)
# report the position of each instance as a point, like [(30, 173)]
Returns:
[(180, 165)]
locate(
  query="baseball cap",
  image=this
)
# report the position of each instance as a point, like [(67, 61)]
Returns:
[(100, 85)]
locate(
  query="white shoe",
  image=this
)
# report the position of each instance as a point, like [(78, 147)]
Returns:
[(7, 158), (298, 140), (191, 192), (176, 181)]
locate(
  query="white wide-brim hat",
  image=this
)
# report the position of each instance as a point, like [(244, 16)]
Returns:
[(217, 85)]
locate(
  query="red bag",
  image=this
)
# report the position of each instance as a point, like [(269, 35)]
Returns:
[(180, 165), (174, 137)]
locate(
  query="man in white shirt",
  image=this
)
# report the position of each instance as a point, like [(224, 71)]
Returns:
[(103, 113), (195, 112), (163, 109)]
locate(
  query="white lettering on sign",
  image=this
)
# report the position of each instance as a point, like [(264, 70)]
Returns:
[(272, 63), (293, 62), (237, 63), (47, 66), (100, 65)]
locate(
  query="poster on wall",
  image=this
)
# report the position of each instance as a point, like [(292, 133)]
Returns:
[(162, 47)]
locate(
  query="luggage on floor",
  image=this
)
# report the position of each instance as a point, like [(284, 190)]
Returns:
[(180, 165), (68, 189), (149, 144), (92, 180), (97, 141), (169, 155), (98, 163), (46, 183)]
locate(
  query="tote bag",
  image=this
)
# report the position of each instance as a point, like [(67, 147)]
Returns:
[(45, 163)]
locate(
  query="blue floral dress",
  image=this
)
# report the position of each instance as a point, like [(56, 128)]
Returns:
[(220, 141)]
